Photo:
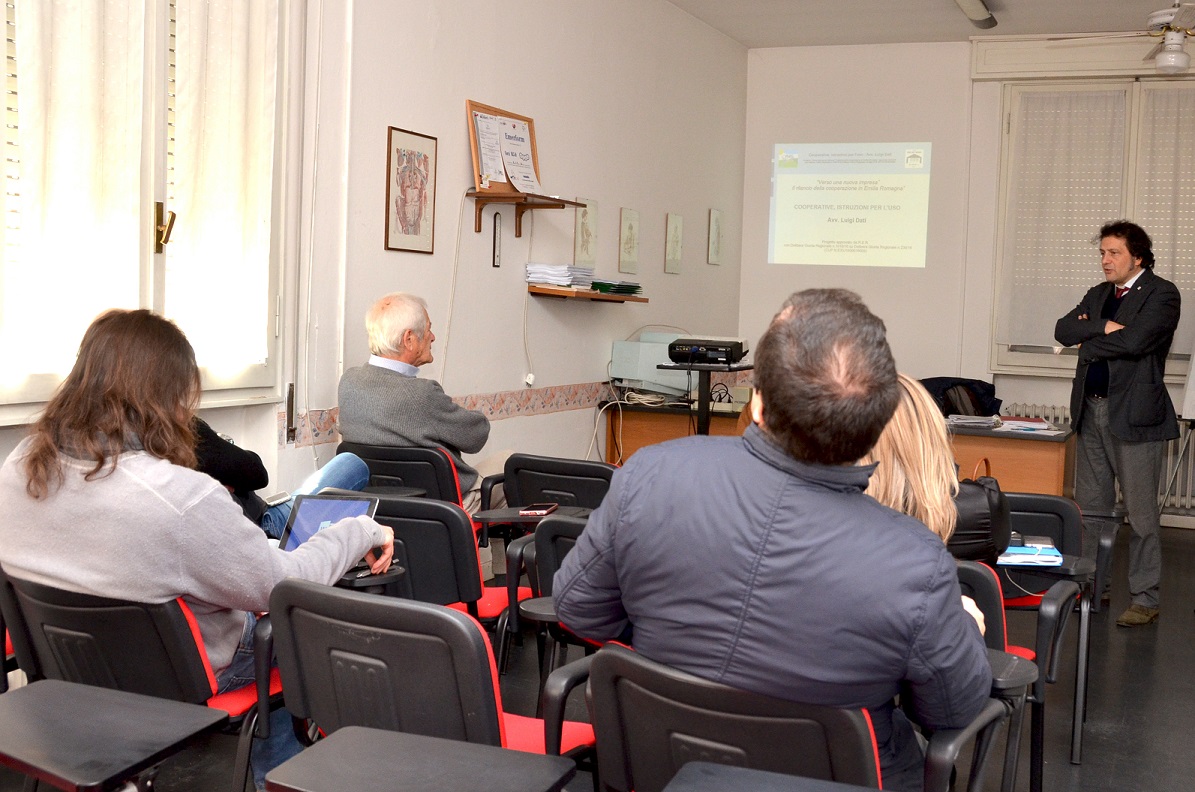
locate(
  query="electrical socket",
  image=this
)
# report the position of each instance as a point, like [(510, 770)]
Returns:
[(529, 380)]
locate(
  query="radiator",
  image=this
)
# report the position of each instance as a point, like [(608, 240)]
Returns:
[(1181, 500)]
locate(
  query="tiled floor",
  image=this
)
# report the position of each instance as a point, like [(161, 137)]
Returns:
[(1140, 717)]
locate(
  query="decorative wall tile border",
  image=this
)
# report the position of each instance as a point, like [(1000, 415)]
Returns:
[(317, 427)]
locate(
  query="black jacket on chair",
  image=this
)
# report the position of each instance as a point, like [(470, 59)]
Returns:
[(1139, 408)]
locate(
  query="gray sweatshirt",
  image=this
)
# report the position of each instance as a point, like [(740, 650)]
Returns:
[(152, 531), (382, 407)]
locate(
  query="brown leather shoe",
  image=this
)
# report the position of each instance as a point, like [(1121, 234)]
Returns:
[(1137, 616)]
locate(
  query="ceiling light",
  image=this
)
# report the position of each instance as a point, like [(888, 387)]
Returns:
[(977, 12), (1173, 59)]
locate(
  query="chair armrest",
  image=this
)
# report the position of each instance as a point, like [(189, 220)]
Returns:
[(1057, 604), (554, 697), (514, 570), (946, 744), (487, 488), (263, 660)]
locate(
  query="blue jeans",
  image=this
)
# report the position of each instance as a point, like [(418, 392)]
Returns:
[(282, 744), (343, 471)]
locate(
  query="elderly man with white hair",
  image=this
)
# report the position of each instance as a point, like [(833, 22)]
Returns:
[(386, 403)]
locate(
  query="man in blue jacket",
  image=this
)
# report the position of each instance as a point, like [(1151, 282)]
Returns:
[(759, 563), (1119, 405)]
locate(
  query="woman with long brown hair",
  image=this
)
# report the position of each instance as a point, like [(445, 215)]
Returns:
[(108, 469)]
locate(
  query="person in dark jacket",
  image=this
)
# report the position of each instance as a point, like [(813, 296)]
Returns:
[(1120, 409), (242, 474), (759, 562)]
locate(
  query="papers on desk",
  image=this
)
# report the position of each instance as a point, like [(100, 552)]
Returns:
[(1030, 556), (1037, 426), (974, 421)]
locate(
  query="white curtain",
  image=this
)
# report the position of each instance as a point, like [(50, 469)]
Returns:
[(1066, 180), (217, 273), (76, 252)]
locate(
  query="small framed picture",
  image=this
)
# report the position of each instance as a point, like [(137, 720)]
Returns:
[(410, 191), (673, 243), (628, 242), (714, 252), (585, 234)]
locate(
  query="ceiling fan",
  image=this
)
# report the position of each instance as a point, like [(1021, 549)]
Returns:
[(1173, 25)]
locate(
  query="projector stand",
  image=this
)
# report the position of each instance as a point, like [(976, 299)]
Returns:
[(703, 385)]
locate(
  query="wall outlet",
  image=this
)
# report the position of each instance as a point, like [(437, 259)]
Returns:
[(529, 380)]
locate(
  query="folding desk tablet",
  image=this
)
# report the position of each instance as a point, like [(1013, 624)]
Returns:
[(373, 760), (84, 738), (709, 777)]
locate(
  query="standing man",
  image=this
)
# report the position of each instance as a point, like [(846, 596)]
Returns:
[(385, 403), (1119, 405), (758, 562)]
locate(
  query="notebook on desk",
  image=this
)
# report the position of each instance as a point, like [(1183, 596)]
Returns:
[(312, 513)]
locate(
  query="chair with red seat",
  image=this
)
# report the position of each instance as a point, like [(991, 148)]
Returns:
[(650, 719), (429, 469), (353, 659), (150, 648), (434, 542), (981, 583)]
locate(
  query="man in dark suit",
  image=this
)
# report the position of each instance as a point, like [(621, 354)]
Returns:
[(1119, 405)]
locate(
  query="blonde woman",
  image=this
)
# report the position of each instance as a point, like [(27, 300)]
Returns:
[(916, 471), (915, 474)]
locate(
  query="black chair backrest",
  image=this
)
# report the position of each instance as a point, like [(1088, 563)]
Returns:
[(650, 719), (429, 469), (1032, 514), (979, 582), (568, 482), (353, 659), (435, 543), (555, 536), (131, 646)]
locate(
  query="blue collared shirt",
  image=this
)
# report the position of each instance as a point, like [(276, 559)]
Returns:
[(406, 369)]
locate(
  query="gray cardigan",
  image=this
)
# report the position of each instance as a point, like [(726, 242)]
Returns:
[(382, 407)]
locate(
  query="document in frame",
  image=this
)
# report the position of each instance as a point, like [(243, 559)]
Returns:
[(489, 149), (516, 156)]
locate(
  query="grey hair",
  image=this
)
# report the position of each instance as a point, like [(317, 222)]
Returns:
[(390, 317)]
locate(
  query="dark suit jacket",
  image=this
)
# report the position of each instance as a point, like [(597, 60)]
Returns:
[(1138, 406)]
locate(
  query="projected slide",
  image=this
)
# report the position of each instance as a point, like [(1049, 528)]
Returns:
[(852, 204)]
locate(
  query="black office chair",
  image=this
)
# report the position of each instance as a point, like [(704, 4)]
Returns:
[(650, 719), (152, 649), (529, 479), (429, 469), (354, 659), (980, 582)]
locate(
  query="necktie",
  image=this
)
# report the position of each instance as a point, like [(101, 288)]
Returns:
[(1121, 291)]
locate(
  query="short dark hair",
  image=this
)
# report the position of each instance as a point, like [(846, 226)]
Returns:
[(826, 377), (1135, 239)]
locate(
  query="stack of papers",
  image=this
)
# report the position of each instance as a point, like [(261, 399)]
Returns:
[(560, 275), (1038, 426), (551, 274), (974, 421), (1030, 556)]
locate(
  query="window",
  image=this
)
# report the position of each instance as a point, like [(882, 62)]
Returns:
[(113, 108), (1076, 157)]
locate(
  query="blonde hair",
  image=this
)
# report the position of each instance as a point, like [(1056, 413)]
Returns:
[(916, 473)]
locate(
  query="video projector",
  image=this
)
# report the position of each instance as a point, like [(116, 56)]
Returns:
[(707, 350)]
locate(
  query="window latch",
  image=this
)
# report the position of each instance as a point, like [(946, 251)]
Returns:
[(163, 225)]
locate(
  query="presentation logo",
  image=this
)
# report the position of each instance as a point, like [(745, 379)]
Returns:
[(787, 160), (914, 158)]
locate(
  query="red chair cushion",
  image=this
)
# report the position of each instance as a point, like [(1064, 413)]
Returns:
[(7, 643), (1022, 651), (238, 702), (493, 601), (527, 734), (1030, 601)]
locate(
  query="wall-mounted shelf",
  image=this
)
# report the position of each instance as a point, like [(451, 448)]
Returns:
[(581, 294), (522, 202)]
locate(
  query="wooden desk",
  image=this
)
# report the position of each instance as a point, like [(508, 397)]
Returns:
[(635, 426), (1021, 462)]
